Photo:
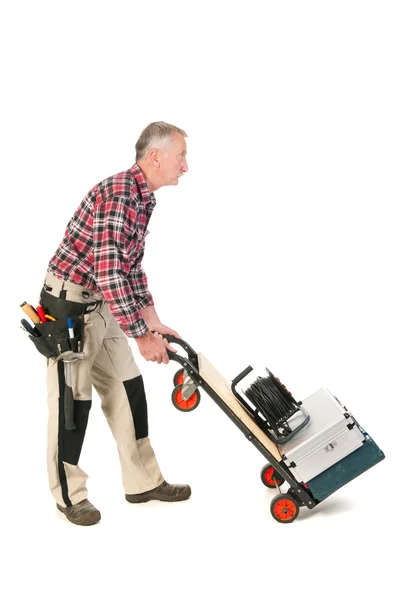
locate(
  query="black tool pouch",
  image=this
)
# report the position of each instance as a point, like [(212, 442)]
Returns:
[(55, 337)]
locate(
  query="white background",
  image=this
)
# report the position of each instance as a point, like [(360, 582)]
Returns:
[(279, 248)]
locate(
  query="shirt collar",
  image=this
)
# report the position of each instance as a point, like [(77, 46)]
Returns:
[(143, 190)]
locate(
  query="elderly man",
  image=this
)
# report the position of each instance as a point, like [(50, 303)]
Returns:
[(97, 266)]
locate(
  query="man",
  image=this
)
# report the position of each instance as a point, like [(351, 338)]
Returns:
[(98, 264)]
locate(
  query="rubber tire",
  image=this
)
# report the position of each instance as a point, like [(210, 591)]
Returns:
[(177, 395), (177, 376), (286, 502), (280, 479)]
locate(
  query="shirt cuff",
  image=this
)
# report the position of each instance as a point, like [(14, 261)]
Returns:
[(137, 329)]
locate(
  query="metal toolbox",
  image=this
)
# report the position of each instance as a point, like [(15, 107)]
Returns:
[(331, 434), (347, 469)]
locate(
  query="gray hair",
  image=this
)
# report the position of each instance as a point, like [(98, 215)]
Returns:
[(156, 135)]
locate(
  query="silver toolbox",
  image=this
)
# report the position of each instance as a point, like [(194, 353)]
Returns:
[(331, 434)]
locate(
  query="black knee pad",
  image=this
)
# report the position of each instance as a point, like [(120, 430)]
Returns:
[(137, 400)]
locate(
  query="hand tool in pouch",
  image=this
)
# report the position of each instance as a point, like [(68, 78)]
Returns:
[(31, 312), (69, 357), (68, 393), (28, 327), (41, 313)]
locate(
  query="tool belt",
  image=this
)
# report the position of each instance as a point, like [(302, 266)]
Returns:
[(55, 337)]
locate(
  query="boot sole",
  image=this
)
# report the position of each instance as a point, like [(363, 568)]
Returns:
[(142, 499), (95, 517)]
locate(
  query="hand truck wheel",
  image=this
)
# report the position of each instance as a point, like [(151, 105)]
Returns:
[(179, 377), (270, 477), (284, 508), (185, 405)]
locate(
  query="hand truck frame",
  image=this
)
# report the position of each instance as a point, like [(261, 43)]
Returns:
[(197, 372)]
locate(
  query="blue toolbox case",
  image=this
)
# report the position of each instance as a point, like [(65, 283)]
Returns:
[(347, 469)]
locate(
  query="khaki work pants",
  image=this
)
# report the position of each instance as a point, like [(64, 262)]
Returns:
[(110, 367)]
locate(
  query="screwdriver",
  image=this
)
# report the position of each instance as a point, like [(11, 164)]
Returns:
[(31, 312), (28, 327), (41, 313)]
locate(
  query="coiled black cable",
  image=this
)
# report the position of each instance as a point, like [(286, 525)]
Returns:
[(275, 403)]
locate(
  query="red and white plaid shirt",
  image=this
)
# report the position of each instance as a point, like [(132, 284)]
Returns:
[(104, 243)]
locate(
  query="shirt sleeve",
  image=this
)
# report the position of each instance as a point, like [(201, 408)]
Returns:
[(113, 234), (138, 282)]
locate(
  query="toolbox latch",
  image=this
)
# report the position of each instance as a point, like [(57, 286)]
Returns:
[(330, 447)]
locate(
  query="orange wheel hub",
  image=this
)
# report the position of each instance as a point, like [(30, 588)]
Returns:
[(271, 477), (180, 379), (284, 509), (185, 405)]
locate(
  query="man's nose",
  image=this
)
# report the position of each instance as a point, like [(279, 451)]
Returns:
[(185, 167)]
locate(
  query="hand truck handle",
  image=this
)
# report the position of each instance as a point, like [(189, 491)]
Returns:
[(174, 340)]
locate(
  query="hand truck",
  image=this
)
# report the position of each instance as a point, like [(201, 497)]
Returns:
[(197, 372)]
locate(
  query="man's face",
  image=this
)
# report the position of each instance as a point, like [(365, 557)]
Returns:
[(173, 160)]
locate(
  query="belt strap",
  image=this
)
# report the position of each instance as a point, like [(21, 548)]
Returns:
[(86, 307)]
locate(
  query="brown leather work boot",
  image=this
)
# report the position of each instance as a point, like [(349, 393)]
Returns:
[(166, 492), (83, 513)]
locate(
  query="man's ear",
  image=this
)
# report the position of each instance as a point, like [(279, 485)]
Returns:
[(154, 158)]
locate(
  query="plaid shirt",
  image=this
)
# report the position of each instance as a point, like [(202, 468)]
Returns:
[(104, 243)]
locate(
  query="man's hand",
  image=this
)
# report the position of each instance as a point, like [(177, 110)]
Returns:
[(163, 329), (154, 323), (153, 347)]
